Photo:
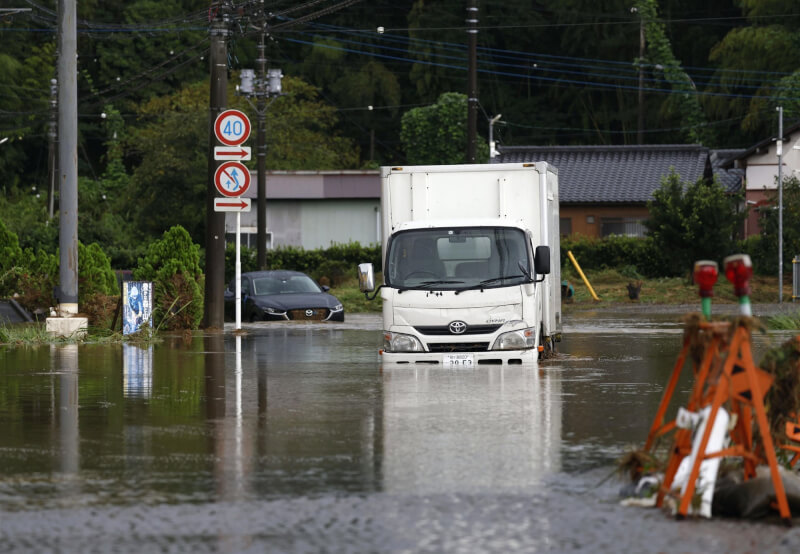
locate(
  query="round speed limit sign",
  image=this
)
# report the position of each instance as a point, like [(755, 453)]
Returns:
[(232, 127)]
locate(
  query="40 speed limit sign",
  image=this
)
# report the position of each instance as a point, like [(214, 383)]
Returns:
[(232, 127)]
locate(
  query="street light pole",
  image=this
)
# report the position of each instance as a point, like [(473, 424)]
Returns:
[(492, 151)]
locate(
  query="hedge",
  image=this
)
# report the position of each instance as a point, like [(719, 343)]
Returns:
[(336, 263)]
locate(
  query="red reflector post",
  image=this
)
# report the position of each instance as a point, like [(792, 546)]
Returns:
[(739, 270), (705, 275)]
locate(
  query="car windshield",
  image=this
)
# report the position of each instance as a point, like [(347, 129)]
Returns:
[(458, 258), (284, 285)]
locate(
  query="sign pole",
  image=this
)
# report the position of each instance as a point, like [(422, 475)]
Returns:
[(238, 299)]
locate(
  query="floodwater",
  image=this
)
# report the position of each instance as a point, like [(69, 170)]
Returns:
[(303, 443)]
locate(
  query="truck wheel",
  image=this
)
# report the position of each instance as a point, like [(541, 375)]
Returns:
[(548, 347)]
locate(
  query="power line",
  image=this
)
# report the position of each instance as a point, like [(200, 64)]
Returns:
[(616, 70), (590, 84)]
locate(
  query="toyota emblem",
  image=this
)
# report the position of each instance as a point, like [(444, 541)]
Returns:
[(309, 313), (458, 327)]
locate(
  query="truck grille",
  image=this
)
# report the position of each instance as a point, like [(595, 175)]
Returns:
[(313, 314), (444, 330), (458, 346)]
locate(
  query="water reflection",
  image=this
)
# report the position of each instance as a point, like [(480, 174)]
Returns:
[(137, 371), (489, 429), (65, 365), (290, 411)]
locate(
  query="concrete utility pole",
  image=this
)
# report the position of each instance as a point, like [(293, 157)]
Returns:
[(780, 203), (52, 137), (214, 305), (67, 294), (472, 80)]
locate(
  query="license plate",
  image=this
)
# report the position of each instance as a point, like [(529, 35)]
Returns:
[(466, 361)]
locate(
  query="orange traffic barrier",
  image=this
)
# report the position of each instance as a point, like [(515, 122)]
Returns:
[(725, 375)]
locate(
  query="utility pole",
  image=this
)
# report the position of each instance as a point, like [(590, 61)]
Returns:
[(214, 314), (52, 136), (640, 127), (780, 203), (472, 80), (266, 84), (261, 163), (67, 293)]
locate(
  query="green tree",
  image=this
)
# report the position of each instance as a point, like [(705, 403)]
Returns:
[(692, 222), (437, 134), (94, 272), (170, 150), (105, 210), (173, 264), (10, 260), (685, 101)]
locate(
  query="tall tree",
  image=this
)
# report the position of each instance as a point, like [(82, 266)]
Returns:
[(690, 222), (169, 150), (436, 134)]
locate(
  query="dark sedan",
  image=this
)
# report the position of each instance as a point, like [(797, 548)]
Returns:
[(283, 295)]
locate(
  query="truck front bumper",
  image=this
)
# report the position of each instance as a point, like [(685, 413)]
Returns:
[(461, 360)]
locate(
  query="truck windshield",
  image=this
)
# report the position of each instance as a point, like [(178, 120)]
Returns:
[(457, 258)]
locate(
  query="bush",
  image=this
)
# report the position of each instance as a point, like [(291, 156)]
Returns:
[(333, 272), (637, 255), (11, 260), (249, 259), (38, 280), (338, 261), (95, 275), (173, 264)]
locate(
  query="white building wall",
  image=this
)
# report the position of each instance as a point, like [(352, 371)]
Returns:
[(762, 169), (311, 224), (328, 222)]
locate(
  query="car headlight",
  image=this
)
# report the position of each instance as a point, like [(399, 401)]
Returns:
[(398, 342), (337, 308), (273, 311), (521, 339)]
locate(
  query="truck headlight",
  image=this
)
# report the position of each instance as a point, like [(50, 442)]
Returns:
[(398, 342), (521, 339)]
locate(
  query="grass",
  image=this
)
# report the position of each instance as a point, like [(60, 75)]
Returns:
[(611, 286), (353, 299), (30, 333), (784, 322)]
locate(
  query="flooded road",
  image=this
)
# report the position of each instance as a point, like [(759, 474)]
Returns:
[(302, 443)]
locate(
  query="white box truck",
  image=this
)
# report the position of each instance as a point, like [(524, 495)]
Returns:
[(471, 264)]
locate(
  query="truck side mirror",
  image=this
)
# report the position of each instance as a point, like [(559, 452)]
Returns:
[(366, 277), (541, 261)]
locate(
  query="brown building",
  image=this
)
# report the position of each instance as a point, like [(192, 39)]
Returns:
[(604, 190)]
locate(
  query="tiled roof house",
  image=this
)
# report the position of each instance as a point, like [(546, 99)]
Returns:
[(604, 190), (759, 167)]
